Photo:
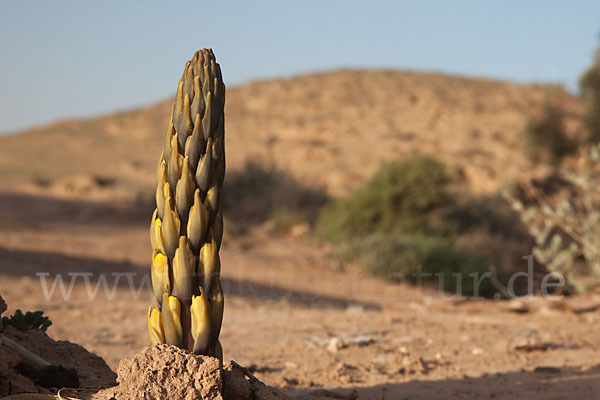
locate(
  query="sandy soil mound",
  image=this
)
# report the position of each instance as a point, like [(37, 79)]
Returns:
[(167, 372), (93, 372)]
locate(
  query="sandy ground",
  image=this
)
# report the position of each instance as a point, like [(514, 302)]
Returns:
[(298, 318)]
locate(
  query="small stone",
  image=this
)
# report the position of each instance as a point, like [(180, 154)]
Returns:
[(546, 370), (289, 382), (528, 340), (335, 344), (579, 306), (290, 365), (518, 306), (354, 309), (477, 351)]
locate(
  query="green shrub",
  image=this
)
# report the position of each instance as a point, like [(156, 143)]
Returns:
[(407, 218), (546, 139), (453, 270), (401, 259), (388, 257), (402, 197)]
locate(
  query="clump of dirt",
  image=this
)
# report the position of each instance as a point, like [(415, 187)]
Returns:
[(167, 372), (16, 378)]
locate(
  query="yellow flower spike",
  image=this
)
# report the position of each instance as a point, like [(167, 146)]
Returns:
[(171, 316), (201, 324), (210, 262), (160, 277), (184, 266), (198, 221), (155, 328), (189, 178), (184, 193), (204, 165)]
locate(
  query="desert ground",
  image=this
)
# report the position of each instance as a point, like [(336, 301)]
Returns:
[(77, 197)]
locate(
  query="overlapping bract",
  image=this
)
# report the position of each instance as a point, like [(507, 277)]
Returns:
[(187, 225)]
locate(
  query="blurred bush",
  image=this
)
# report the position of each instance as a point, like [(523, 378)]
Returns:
[(589, 85), (406, 219), (420, 259), (546, 139), (257, 193), (402, 197), (562, 213)]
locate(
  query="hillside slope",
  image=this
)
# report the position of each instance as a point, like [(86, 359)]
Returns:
[(330, 130)]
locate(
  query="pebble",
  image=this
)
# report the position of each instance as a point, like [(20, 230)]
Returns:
[(546, 370)]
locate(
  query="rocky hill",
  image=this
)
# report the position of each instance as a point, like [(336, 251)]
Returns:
[(330, 130)]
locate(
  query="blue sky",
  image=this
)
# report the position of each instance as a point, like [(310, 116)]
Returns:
[(80, 58)]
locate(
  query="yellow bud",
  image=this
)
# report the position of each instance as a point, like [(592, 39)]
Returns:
[(163, 178), (167, 145), (155, 328), (158, 241), (212, 199), (196, 228), (178, 103), (201, 323), (175, 161), (172, 320), (197, 105), (184, 193), (184, 128), (210, 262), (184, 266), (216, 229), (204, 166), (215, 298), (170, 228), (160, 277), (152, 233)]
